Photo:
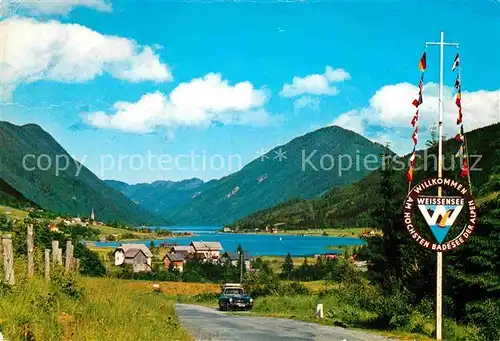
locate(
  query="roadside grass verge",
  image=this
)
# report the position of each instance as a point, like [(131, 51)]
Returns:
[(76, 308), (359, 308)]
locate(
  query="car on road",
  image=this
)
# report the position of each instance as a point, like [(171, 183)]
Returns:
[(233, 297)]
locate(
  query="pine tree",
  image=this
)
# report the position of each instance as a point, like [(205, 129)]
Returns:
[(474, 268), (394, 260), (287, 266)]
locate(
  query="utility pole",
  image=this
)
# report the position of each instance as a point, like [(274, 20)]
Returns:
[(439, 265), (241, 265)]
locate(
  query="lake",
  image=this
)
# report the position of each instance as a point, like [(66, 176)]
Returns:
[(255, 244)]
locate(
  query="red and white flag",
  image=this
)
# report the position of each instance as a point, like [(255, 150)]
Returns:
[(414, 120), (415, 136), (413, 158), (460, 135), (417, 102)]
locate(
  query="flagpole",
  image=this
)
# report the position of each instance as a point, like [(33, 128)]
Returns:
[(466, 150), (439, 265), (439, 262)]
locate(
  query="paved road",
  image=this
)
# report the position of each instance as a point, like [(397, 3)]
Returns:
[(210, 324)]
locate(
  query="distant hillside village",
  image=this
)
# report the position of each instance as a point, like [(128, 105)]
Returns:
[(64, 221), (58, 221), (139, 256)]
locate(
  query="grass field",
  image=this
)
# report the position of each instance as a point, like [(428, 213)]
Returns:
[(13, 212), (275, 262), (107, 230), (174, 288), (108, 310)]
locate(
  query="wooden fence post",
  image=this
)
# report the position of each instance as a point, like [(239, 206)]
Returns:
[(69, 255), (8, 259), (47, 265), (31, 263), (77, 264), (72, 263), (59, 256), (55, 248)]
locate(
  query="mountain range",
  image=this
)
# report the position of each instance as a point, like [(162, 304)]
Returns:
[(72, 191), (301, 168), (159, 196)]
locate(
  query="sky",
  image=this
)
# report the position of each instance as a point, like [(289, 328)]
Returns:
[(167, 90)]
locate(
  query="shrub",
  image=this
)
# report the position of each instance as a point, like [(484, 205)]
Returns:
[(485, 314), (261, 289), (260, 283), (292, 289), (128, 235), (422, 319), (90, 263), (453, 331), (394, 311), (66, 283), (192, 276), (207, 297), (4, 289)]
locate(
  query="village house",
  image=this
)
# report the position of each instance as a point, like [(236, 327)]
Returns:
[(233, 257), (137, 255), (74, 221), (207, 250), (186, 249), (176, 259), (53, 228), (361, 265)]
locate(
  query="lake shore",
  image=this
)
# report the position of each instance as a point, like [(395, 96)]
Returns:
[(328, 232), (255, 244)]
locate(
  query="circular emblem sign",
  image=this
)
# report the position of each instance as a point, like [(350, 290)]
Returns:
[(440, 213)]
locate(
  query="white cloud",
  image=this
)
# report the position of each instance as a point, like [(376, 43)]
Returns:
[(200, 102), (306, 102), (392, 106), (351, 120), (316, 84), (71, 53), (391, 110), (58, 7)]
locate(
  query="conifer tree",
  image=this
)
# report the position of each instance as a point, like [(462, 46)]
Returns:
[(287, 266)]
